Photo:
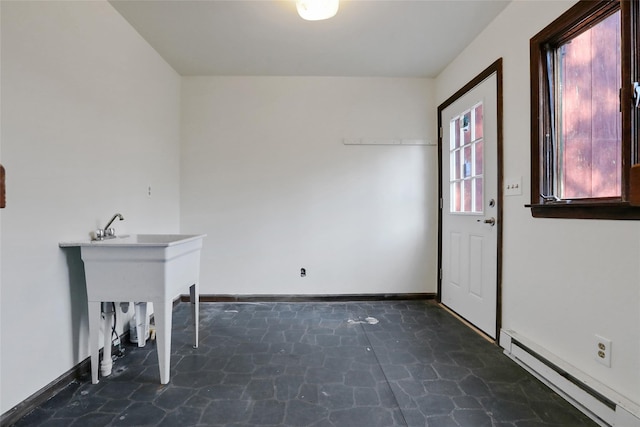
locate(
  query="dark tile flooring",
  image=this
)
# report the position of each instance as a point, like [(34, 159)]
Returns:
[(392, 363)]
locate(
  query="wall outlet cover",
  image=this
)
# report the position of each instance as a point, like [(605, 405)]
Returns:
[(602, 350)]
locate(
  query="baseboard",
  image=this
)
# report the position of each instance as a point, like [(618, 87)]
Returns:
[(600, 403), (312, 298)]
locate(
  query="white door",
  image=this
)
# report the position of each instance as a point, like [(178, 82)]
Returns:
[(470, 206)]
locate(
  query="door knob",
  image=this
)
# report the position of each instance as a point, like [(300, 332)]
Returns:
[(491, 221)]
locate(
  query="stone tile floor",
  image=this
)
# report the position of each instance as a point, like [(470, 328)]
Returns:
[(391, 363)]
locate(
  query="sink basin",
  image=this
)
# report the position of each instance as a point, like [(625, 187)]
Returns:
[(140, 268)]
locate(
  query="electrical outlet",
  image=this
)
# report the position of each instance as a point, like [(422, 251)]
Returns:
[(602, 351)]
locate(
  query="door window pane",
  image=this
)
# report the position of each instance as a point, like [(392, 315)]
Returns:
[(466, 128), (467, 195), (455, 171), (455, 197), (478, 195), (479, 158), (478, 122)]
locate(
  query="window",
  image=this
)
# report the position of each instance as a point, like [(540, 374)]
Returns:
[(584, 122), (466, 162)]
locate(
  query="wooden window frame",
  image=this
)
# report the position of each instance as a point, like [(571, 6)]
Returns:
[(577, 19)]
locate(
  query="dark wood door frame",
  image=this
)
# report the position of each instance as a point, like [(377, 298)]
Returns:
[(496, 68)]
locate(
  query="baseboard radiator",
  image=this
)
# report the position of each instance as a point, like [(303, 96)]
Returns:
[(603, 405)]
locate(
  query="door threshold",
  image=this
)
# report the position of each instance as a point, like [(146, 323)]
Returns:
[(466, 322)]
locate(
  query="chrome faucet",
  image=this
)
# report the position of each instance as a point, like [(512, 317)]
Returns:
[(106, 232)]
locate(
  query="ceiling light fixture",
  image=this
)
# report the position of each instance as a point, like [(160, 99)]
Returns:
[(316, 10)]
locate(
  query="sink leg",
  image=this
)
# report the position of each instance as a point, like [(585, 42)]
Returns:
[(107, 364), (195, 312), (163, 316), (94, 338), (141, 322)]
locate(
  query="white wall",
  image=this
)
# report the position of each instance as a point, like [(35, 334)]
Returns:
[(563, 280), (90, 119), (265, 174)]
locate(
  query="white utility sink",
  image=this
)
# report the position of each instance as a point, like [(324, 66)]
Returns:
[(140, 268)]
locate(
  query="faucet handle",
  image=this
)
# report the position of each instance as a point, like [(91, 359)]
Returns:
[(110, 232)]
